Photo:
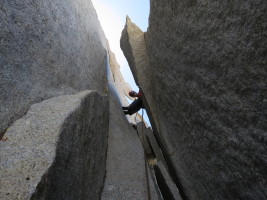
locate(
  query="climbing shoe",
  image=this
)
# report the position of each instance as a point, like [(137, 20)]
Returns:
[(124, 108)]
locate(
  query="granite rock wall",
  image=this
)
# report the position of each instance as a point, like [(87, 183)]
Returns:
[(209, 82), (125, 169), (134, 48), (57, 150), (47, 48)]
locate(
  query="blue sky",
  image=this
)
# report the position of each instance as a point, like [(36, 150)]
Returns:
[(112, 16), (138, 10)]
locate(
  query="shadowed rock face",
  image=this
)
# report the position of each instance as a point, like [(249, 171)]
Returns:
[(125, 171), (48, 48), (134, 48), (209, 83), (57, 150)]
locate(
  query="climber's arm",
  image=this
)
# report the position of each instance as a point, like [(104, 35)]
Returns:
[(134, 94), (139, 94)]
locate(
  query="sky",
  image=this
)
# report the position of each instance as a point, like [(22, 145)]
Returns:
[(112, 17)]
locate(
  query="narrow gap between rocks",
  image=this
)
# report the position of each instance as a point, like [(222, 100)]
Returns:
[(163, 180)]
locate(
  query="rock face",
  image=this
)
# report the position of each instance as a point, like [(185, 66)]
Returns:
[(125, 176), (48, 48), (209, 85), (125, 169), (134, 47), (57, 150), (118, 86)]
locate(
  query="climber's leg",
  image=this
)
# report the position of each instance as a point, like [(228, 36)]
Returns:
[(124, 108), (135, 106)]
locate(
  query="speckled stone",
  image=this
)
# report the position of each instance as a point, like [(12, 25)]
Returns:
[(57, 151), (47, 48), (209, 80), (133, 45), (125, 170)]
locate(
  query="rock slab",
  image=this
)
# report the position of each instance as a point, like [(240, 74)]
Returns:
[(125, 172), (57, 151), (209, 79), (133, 44), (47, 48)]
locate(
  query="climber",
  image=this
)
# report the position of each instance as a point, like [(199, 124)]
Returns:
[(136, 105)]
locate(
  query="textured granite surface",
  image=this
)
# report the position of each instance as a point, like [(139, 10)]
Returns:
[(209, 83), (133, 45), (57, 151), (125, 171), (47, 48)]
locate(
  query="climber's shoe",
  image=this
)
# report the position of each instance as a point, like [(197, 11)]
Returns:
[(124, 108), (134, 126)]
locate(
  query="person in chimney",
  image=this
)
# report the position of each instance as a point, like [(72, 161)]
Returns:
[(136, 105)]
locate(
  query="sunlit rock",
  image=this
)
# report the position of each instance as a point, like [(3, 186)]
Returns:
[(48, 48), (134, 48), (57, 150)]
